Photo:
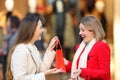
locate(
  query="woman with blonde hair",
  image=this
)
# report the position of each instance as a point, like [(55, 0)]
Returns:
[(92, 58)]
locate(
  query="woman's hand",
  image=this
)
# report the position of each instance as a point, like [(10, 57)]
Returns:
[(52, 71), (71, 79), (75, 74), (52, 43), (65, 61)]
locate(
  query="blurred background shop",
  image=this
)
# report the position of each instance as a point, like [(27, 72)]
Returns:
[(62, 18)]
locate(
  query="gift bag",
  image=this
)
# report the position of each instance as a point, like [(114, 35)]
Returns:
[(59, 57)]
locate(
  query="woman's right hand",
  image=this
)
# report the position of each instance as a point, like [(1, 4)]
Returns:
[(52, 43), (52, 71)]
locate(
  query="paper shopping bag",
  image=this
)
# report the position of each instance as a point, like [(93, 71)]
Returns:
[(59, 57)]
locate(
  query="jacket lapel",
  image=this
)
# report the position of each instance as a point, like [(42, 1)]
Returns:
[(35, 55)]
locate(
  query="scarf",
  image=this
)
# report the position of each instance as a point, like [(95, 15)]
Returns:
[(83, 57)]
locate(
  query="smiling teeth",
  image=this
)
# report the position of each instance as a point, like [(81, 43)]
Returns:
[(82, 36)]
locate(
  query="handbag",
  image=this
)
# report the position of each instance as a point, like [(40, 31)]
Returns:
[(59, 57)]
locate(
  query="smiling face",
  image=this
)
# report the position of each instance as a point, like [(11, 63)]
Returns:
[(38, 32), (86, 34)]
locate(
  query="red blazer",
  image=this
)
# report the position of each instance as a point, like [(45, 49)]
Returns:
[(98, 63)]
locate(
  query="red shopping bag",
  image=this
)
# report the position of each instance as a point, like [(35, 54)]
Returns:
[(59, 57)]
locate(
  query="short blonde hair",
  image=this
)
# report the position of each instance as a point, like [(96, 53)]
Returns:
[(92, 23)]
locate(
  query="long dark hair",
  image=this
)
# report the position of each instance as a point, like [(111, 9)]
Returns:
[(25, 33)]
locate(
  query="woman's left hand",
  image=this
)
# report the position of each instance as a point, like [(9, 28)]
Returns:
[(75, 74), (52, 43)]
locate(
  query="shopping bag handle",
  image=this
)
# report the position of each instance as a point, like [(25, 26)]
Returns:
[(58, 44)]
